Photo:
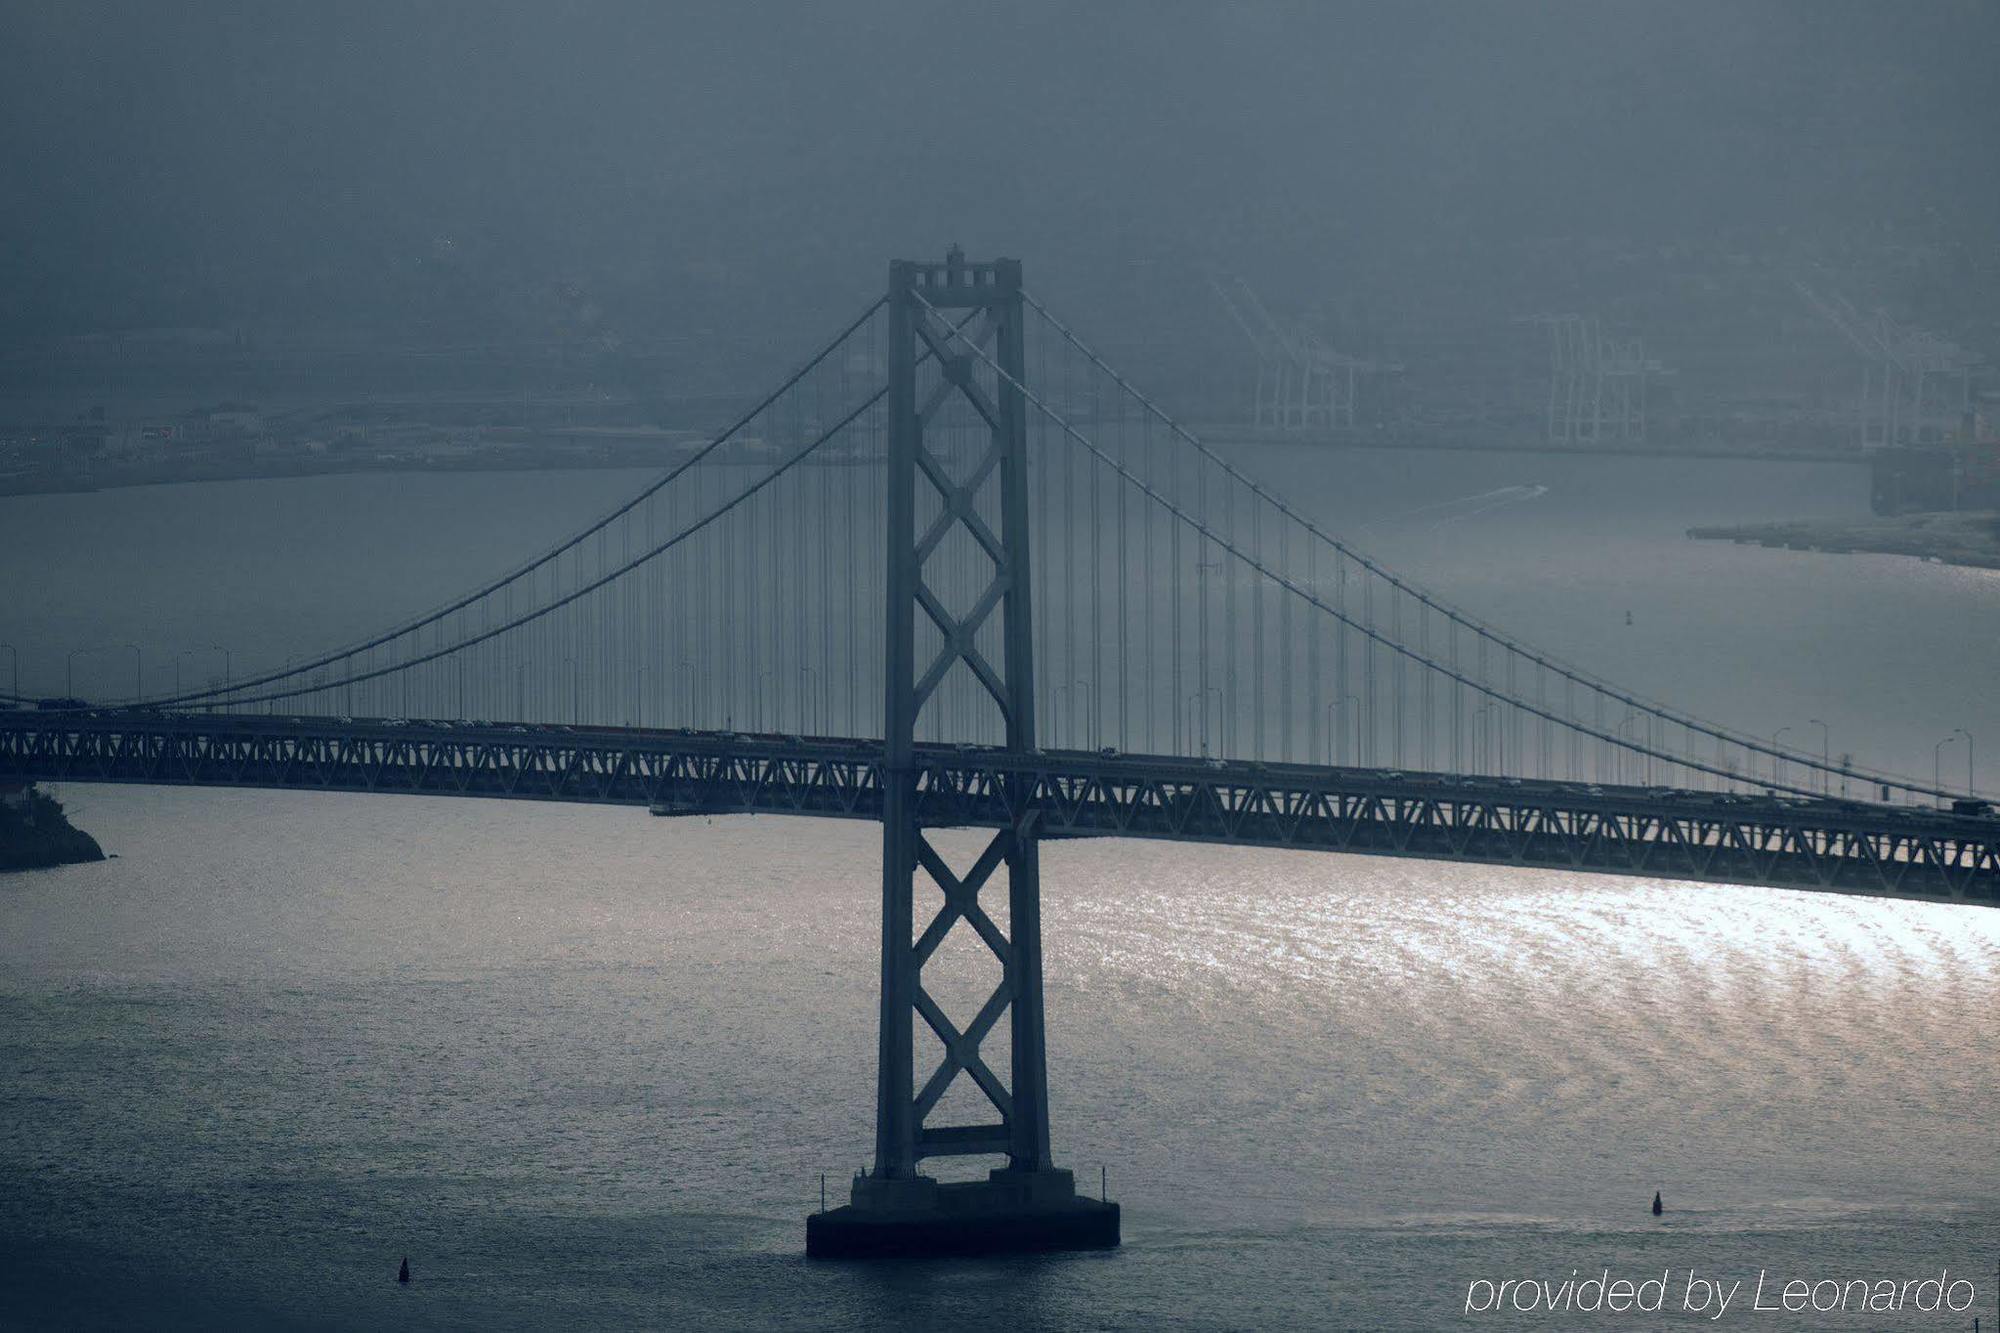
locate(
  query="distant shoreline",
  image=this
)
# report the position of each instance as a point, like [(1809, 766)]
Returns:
[(1224, 437), (1970, 539), (270, 469)]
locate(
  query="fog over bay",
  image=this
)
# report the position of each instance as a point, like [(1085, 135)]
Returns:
[(511, 593), (445, 170)]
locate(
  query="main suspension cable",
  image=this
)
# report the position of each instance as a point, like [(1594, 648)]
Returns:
[(570, 543), (1749, 744), (557, 603), (1203, 529)]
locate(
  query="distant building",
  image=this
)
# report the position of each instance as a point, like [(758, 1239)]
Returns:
[(75, 449)]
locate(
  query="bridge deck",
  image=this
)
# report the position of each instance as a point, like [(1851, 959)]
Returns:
[(1834, 845)]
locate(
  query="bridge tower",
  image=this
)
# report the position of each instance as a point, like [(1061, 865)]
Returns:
[(1029, 1203)]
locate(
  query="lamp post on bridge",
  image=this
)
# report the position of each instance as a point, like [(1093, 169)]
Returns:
[(1076, 689), (1201, 570), (1333, 737), (1937, 763), (1825, 751), (1199, 699), (189, 652), (1969, 786), (1490, 740), (138, 666), (1630, 718)]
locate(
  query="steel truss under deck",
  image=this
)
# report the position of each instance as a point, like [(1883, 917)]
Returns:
[(1892, 851)]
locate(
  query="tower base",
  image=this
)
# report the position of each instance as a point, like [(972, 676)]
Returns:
[(1009, 1212)]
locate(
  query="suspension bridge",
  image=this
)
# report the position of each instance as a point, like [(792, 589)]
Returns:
[(956, 571)]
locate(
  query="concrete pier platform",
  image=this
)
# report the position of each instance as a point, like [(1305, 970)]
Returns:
[(1009, 1212)]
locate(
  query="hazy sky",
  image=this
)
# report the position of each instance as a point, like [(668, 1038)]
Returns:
[(394, 164)]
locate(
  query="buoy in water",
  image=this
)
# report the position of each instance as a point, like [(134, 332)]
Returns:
[(1657, 1210), (403, 1273)]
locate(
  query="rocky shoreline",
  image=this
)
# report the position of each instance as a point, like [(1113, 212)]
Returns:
[(35, 834), (1969, 538)]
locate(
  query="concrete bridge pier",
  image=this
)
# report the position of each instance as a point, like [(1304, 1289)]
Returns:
[(1009, 1212)]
